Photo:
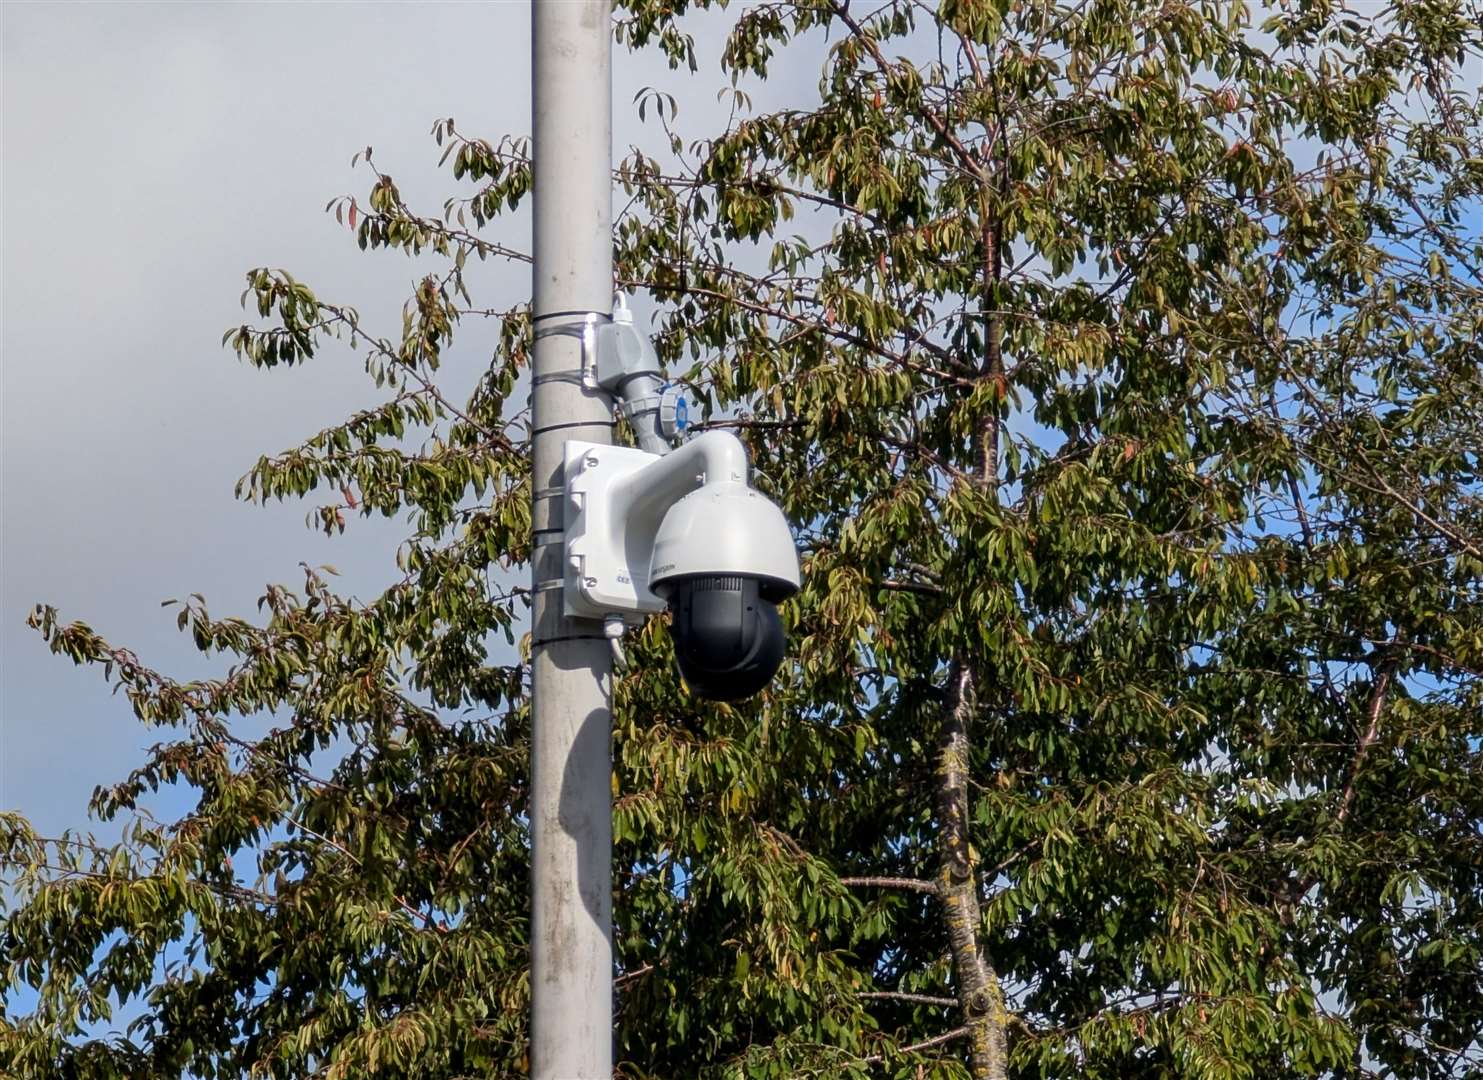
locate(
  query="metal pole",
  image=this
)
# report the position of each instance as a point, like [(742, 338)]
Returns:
[(571, 949)]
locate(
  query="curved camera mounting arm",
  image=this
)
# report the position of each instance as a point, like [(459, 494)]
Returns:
[(714, 457), (617, 500)]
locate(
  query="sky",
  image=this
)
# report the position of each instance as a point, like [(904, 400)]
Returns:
[(152, 154)]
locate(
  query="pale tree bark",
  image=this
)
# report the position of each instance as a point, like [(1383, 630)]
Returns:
[(980, 996), (1384, 672)]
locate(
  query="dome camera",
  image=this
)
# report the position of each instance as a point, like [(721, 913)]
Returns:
[(728, 638), (683, 531), (723, 560)]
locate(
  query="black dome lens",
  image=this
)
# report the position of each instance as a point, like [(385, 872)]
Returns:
[(728, 639)]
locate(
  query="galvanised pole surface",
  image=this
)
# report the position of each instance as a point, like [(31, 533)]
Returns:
[(571, 802)]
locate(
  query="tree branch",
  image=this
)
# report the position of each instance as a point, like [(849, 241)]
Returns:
[(921, 999), (424, 919), (630, 976), (910, 884), (956, 1033), (1384, 673)]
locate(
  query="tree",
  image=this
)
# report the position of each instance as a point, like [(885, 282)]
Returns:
[(1118, 363)]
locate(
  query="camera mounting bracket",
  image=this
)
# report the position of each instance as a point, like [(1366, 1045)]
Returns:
[(601, 577)]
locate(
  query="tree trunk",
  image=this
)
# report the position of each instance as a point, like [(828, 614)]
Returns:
[(980, 996)]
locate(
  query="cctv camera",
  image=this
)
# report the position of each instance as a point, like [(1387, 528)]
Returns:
[(728, 637), (686, 532), (723, 560)]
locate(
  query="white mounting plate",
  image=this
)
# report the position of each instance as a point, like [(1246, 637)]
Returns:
[(601, 577)]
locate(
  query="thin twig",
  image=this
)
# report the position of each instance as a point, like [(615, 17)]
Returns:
[(426, 920), (910, 884), (923, 999), (892, 585), (956, 1033), (629, 976)]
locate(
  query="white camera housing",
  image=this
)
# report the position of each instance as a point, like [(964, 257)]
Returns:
[(637, 520)]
